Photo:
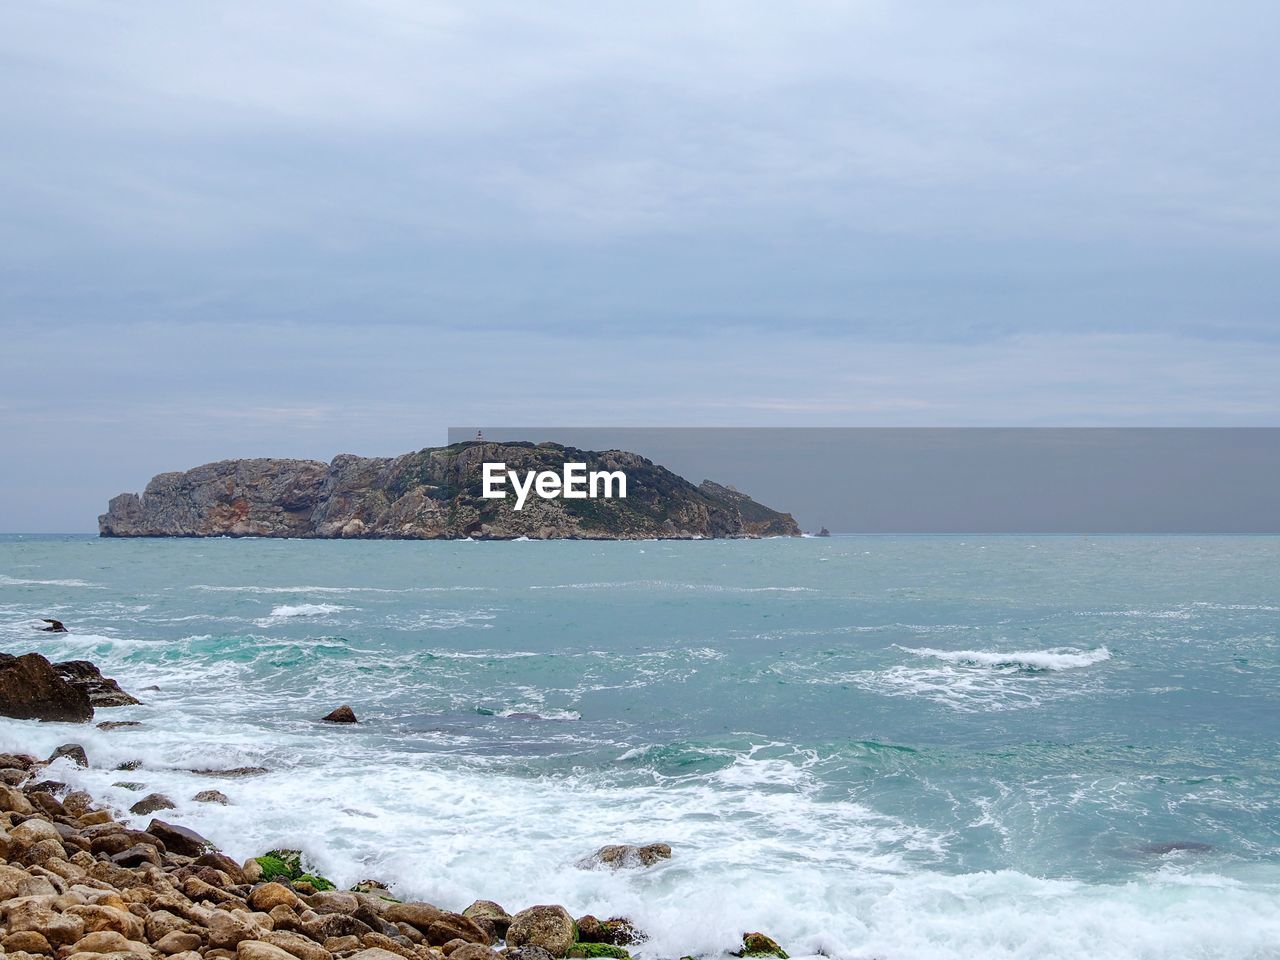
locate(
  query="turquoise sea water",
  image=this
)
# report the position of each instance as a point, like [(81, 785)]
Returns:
[(887, 747)]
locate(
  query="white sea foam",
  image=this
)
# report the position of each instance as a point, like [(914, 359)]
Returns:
[(542, 713), (754, 849), (1058, 658), (6, 581), (287, 611)]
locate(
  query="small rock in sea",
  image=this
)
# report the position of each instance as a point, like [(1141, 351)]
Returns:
[(622, 856), (376, 887), (118, 724), (129, 765), (758, 945), (73, 752), (211, 796), (547, 926), (54, 626), (235, 773), (1176, 846), (151, 803), (344, 714), (128, 785)]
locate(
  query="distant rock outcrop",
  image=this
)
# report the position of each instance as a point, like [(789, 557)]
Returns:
[(432, 494)]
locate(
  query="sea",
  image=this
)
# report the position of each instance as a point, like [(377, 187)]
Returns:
[(909, 748)]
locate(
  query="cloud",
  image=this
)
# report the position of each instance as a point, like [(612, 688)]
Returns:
[(297, 228)]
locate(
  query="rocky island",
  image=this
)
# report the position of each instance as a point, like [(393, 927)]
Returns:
[(433, 494)]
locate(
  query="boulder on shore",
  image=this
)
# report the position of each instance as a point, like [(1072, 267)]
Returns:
[(31, 689), (547, 926)]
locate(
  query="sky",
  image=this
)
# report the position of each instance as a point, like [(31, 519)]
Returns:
[(304, 228)]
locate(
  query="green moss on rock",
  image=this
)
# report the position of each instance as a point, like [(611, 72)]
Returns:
[(287, 865), (592, 950), (758, 945)]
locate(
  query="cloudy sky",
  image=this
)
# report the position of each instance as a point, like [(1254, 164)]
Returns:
[(318, 226)]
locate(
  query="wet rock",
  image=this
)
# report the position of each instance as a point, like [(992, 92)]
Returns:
[(529, 952), (18, 761), (131, 785), (179, 840), (759, 945), (330, 925), (1175, 846), (137, 855), (486, 911), (118, 724), (344, 714), (375, 953), (50, 804), (454, 926), (47, 786), (102, 691), (151, 803), (30, 689), (54, 626), (235, 773), (419, 915), (474, 951), (220, 861), (621, 856), (129, 765), (211, 796), (617, 931), (334, 901), (547, 926), (594, 951)]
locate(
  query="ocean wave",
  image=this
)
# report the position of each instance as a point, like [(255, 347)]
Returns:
[(22, 582), (1056, 658), (669, 585), (287, 611), (540, 713)]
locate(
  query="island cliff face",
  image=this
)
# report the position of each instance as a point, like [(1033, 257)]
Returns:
[(433, 494)]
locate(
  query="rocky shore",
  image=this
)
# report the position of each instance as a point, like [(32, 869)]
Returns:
[(77, 882)]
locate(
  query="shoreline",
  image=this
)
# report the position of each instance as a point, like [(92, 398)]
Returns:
[(78, 882)]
